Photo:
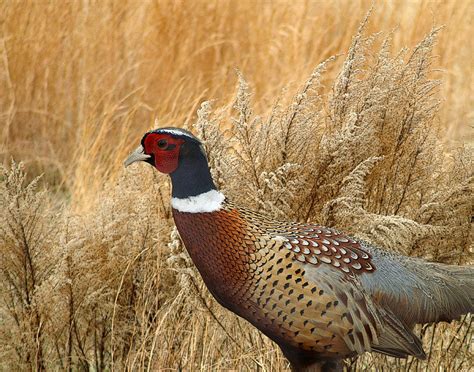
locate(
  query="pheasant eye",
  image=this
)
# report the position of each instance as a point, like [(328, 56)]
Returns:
[(162, 144)]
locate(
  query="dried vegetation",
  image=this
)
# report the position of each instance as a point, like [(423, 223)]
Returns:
[(93, 274)]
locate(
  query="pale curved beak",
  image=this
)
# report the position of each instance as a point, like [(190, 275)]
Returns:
[(137, 155)]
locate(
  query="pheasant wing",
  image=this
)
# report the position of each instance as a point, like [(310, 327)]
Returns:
[(311, 295)]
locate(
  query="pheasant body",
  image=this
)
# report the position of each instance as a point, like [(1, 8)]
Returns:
[(297, 283), (319, 294), (258, 280)]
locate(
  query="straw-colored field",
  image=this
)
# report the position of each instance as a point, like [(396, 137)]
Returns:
[(377, 142)]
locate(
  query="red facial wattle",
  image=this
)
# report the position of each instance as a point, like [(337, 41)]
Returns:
[(166, 159)]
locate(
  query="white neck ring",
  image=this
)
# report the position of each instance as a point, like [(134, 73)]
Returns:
[(210, 201)]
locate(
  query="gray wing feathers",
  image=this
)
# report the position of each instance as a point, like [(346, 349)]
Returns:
[(449, 292), (417, 291)]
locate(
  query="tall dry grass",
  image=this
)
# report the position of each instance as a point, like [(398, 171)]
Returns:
[(93, 275), (82, 80)]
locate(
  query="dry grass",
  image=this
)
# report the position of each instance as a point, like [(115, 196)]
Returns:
[(93, 275)]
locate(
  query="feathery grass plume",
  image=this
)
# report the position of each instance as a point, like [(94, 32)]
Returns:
[(215, 142), (27, 238)]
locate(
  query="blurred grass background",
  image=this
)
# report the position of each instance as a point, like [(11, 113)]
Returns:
[(82, 80)]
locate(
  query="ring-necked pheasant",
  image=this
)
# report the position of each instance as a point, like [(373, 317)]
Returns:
[(319, 294)]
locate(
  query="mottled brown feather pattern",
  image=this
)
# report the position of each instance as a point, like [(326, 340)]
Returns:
[(275, 274)]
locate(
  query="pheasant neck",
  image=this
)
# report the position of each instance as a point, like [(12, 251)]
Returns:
[(192, 177)]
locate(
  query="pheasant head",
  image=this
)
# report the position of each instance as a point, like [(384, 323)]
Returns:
[(180, 154)]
